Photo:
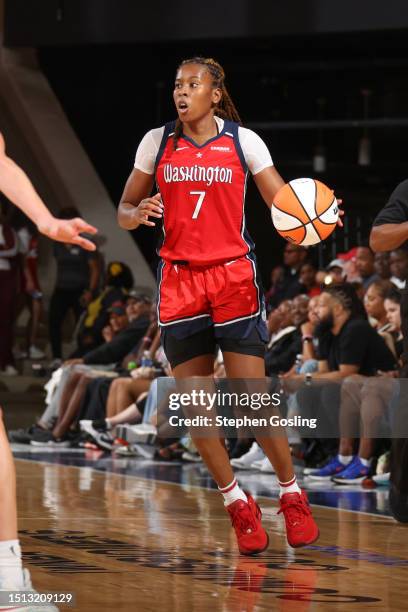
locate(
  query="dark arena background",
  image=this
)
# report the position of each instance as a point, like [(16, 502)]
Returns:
[(305, 75), (120, 516)]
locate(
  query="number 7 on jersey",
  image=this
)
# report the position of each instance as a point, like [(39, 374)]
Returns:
[(200, 200)]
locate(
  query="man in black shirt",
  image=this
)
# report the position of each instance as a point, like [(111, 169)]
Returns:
[(347, 345), (390, 232), (351, 346)]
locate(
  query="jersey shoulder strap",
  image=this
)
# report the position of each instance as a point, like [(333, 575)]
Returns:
[(231, 129), (168, 132)]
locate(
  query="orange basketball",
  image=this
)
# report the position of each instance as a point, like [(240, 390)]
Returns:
[(305, 211)]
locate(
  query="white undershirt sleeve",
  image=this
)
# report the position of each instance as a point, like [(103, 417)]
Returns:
[(147, 150), (255, 151)]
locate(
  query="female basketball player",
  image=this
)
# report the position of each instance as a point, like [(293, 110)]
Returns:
[(17, 187), (209, 291)]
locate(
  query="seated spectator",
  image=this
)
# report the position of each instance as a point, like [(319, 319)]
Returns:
[(273, 296), (285, 342), (109, 354), (300, 309), (335, 273), (347, 345), (399, 267), (293, 258), (94, 406), (348, 260), (392, 305), (382, 265), (118, 282), (101, 430), (374, 304), (365, 266), (366, 400), (307, 329), (307, 278)]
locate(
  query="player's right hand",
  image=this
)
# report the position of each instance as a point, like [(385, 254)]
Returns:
[(149, 207), (69, 231)]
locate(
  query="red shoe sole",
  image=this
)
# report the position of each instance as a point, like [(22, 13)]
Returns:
[(256, 552), (306, 543)]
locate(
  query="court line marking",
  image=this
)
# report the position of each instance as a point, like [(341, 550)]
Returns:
[(177, 484)]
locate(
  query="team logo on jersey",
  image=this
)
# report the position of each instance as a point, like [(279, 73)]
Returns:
[(220, 148), (207, 175)]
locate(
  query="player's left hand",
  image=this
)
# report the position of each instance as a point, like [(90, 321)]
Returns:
[(69, 230), (341, 214)]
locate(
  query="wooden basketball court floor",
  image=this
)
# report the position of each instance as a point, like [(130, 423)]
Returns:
[(133, 535)]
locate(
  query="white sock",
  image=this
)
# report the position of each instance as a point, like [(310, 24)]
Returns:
[(232, 493), (108, 424), (11, 566), (365, 462), (291, 486), (345, 459)]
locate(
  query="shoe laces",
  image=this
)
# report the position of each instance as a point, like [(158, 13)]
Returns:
[(243, 519), (295, 510)]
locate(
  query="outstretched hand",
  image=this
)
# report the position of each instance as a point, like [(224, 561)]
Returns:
[(69, 230)]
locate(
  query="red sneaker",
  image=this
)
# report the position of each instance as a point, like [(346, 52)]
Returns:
[(246, 520), (301, 529)]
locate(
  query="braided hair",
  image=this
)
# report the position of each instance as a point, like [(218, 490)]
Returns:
[(347, 296), (225, 107)]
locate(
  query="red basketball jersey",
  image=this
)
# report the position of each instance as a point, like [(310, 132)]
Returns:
[(203, 192)]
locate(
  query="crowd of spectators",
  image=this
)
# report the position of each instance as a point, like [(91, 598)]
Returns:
[(334, 347)]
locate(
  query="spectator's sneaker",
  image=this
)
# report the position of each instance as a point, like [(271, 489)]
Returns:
[(301, 528), (45, 438), (35, 353), (263, 465), (332, 468), (26, 587), (245, 462), (384, 463), (382, 479), (191, 457), (143, 433), (105, 440), (92, 428), (24, 436), (246, 520), (354, 473)]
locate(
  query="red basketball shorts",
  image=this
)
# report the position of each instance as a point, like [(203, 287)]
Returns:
[(219, 295)]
